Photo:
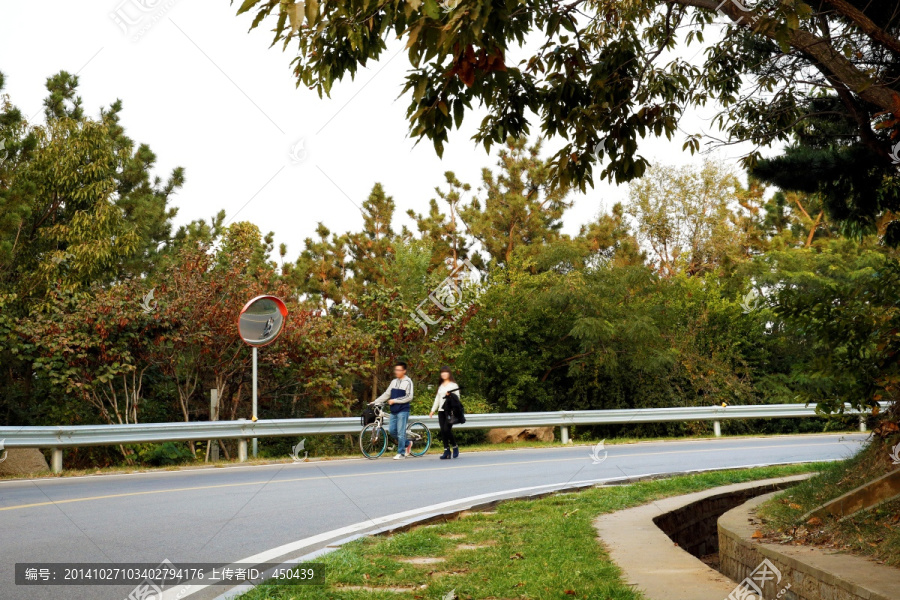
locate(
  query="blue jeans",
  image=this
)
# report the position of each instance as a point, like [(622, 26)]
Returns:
[(397, 429)]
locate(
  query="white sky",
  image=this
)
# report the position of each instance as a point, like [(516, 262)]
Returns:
[(208, 96)]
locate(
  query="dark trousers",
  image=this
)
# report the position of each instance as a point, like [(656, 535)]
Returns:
[(446, 429)]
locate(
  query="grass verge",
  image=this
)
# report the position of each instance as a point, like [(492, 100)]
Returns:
[(874, 533), (544, 548)]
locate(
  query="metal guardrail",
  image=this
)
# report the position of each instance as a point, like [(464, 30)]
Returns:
[(67, 436)]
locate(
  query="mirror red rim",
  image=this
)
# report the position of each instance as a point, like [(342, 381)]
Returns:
[(282, 308)]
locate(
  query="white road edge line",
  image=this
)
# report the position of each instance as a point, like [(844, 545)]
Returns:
[(404, 519)]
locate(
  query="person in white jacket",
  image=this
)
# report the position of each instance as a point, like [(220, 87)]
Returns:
[(447, 385)]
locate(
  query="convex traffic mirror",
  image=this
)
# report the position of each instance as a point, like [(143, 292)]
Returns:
[(261, 320)]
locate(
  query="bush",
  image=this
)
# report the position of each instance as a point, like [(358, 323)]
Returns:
[(165, 454)]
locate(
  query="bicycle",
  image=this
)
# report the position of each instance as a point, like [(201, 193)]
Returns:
[(373, 437)]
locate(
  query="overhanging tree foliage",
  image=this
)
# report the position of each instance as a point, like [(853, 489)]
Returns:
[(603, 76)]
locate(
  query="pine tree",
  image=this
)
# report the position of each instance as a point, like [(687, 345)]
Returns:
[(445, 233), (321, 268), (519, 206), (370, 249)]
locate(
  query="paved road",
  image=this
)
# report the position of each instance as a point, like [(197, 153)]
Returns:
[(227, 514)]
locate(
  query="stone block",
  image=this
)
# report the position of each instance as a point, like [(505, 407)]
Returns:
[(23, 461)]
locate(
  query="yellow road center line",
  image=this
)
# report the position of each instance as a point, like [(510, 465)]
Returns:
[(379, 473)]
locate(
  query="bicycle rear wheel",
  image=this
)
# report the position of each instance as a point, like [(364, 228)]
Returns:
[(372, 441), (420, 436)]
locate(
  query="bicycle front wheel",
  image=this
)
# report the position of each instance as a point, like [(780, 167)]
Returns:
[(372, 441), (420, 436)]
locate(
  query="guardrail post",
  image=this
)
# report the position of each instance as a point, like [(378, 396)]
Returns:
[(56, 460), (242, 446), (862, 422), (717, 428), (212, 447), (564, 434)]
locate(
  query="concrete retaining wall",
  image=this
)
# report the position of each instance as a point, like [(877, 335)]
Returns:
[(693, 527), (796, 572)]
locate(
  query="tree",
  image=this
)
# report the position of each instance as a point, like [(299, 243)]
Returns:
[(839, 300), (549, 340), (62, 226), (603, 77), (519, 206), (327, 358), (94, 346), (242, 244), (609, 239), (859, 193), (321, 269), (448, 243), (370, 249), (76, 198), (793, 218), (79, 209), (185, 291), (688, 218)]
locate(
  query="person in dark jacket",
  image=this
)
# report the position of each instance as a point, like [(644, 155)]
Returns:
[(398, 395), (446, 388)]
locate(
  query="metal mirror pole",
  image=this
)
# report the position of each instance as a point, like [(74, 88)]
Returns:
[(259, 324), (254, 397)]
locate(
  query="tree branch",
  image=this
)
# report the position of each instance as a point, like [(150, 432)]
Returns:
[(866, 25), (812, 46)]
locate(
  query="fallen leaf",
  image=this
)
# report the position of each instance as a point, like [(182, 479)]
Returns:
[(814, 521), (516, 556), (885, 429), (570, 592), (795, 506), (757, 534)]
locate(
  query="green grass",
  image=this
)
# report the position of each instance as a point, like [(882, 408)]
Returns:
[(544, 548), (874, 533)]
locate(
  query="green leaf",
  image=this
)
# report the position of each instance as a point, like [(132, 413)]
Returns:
[(247, 5), (432, 10), (312, 11)]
